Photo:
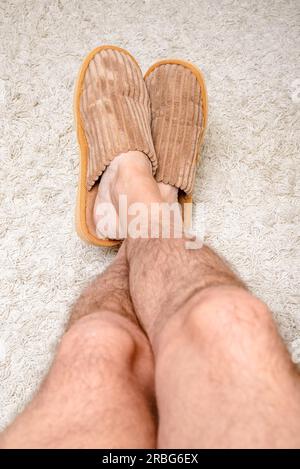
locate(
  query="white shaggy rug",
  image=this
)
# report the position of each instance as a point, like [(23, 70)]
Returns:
[(249, 52)]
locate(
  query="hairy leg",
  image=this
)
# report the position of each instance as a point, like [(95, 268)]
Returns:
[(223, 376), (99, 391)]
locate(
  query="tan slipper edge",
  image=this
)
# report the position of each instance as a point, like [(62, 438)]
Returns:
[(87, 190)]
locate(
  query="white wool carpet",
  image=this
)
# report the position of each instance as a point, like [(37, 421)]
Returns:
[(247, 181)]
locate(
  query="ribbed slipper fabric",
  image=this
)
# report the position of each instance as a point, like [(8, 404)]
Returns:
[(115, 111), (178, 119)]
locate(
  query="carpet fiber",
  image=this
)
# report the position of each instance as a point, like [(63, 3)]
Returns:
[(246, 183)]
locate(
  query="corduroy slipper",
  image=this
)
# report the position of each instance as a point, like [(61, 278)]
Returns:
[(112, 113), (178, 120)]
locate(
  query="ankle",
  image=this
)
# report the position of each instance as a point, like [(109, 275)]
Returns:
[(169, 193)]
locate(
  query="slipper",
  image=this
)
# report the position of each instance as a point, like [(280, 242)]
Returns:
[(112, 114), (178, 99)]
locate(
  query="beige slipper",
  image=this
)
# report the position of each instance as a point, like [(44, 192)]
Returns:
[(178, 120), (112, 113)]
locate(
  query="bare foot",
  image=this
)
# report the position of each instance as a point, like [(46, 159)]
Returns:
[(130, 175), (128, 180)]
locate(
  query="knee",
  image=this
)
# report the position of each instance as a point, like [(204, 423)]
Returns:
[(104, 342), (224, 311), (223, 320)]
